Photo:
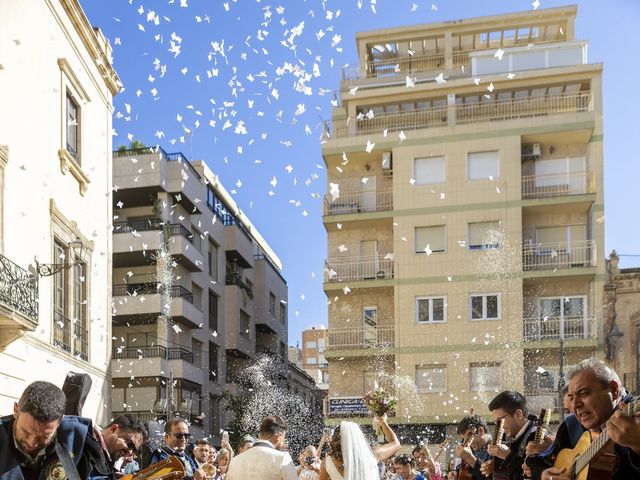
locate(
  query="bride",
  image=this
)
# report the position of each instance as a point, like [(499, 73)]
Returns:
[(351, 458)]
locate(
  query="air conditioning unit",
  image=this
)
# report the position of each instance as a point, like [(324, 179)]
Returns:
[(387, 161), (531, 150)]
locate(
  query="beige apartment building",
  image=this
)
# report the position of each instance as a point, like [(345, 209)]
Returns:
[(313, 359), (197, 292), (464, 212), (57, 84)]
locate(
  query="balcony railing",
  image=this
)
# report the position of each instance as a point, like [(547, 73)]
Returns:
[(143, 416), (372, 337), (152, 288), (139, 225), (393, 67), (558, 185), (525, 107), (80, 341), (62, 332), (551, 256), (484, 111), (139, 352), (358, 201), (236, 279), (170, 157), (180, 354), (374, 267), (18, 289), (555, 328)]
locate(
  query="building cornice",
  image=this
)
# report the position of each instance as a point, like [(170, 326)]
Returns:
[(95, 43)]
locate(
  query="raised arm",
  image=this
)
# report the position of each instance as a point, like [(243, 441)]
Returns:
[(389, 449)]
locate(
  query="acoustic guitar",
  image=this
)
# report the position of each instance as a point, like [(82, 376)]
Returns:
[(592, 459), (465, 469), (542, 425), (498, 433), (169, 469)]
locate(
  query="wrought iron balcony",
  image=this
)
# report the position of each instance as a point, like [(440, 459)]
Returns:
[(80, 341), (18, 290), (151, 288), (236, 279), (180, 354), (139, 352), (62, 332)]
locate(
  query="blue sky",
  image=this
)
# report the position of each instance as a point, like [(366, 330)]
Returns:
[(244, 85)]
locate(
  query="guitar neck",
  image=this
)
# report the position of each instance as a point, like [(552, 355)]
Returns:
[(542, 426)]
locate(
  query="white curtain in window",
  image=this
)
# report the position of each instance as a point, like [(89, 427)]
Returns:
[(484, 233), (482, 165), (429, 170), (434, 236), (551, 234)]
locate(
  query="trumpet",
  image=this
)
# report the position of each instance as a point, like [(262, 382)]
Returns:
[(169, 469)]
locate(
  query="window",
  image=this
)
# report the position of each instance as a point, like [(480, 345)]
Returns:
[(561, 317), (245, 324), (196, 347), (213, 261), (197, 296), (321, 344), (429, 170), (431, 309), (485, 307), (431, 378), (485, 377), (483, 165), (61, 324), (283, 350), (272, 304), (213, 311), (72, 125), (196, 239), (434, 237), (484, 235), (214, 414), (80, 324), (321, 359), (311, 344), (311, 360), (213, 362), (283, 313)]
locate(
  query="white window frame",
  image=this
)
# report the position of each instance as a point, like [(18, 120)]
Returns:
[(433, 157), (484, 306), (442, 367), (310, 344), (430, 299), (422, 251), (497, 152)]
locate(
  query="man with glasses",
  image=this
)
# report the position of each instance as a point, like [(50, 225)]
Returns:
[(38, 442), (176, 438), (595, 395), (519, 429), (122, 439)]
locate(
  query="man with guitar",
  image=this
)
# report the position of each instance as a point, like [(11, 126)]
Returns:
[(608, 440), (473, 450), (510, 409)]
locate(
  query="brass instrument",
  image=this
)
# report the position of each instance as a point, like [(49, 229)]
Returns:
[(169, 469)]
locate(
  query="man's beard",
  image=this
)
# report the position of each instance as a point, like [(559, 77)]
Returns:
[(23, 447)]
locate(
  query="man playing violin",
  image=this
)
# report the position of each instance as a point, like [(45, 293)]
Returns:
[(595, 394), (473, 452)]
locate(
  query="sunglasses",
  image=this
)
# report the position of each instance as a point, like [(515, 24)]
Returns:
[(184, 436), (132, 446)]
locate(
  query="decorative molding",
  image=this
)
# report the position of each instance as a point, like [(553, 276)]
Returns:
[(70, 226), (68, 164), (77, 86)]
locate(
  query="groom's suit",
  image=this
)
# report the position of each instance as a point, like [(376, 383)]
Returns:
[(262, 461)]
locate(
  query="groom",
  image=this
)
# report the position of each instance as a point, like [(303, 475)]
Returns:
[(266, 460)]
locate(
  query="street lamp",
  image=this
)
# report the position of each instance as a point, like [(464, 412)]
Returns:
[(49, 269)]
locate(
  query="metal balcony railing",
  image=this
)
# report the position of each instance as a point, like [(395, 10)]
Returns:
[(62, 332), (558, 185), (142, 415), (18, 289), (170, 157), (139, 225), (139, 352), (551, 256), (152, 288), (531, 106), (358, 201), (180, 354), (372, 337), (236, 279), (555, 328), (374, 267), (80, 341)]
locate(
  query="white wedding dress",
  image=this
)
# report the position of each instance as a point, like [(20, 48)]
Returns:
[(359, 461)]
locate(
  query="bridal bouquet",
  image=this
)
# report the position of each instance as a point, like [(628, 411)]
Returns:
[(379, 404)]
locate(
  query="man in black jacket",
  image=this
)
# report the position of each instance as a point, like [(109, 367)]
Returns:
[(506, 464), (595, 393)]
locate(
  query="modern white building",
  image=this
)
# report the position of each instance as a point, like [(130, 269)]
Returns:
[(56, 89)]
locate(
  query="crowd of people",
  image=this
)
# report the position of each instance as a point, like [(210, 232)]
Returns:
[(39, 442)]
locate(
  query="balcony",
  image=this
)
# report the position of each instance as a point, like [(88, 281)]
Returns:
[(497, 108), (157, 359), (122, 353), (558, 185), (18, 301), (359, 201), (236, 279), (577, 327), (558, 255), (141, 303), (357, 338), (358, 268)]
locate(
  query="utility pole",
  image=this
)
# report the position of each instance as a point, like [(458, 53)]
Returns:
[(561, 377)]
